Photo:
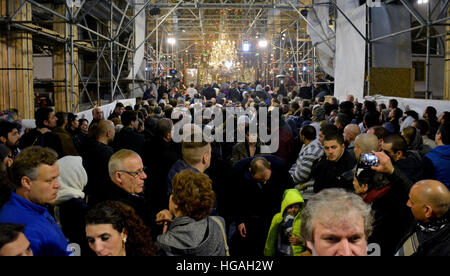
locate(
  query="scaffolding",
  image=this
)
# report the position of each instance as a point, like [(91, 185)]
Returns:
[(104, 29)]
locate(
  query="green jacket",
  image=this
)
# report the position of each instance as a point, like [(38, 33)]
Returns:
[(290, 197)]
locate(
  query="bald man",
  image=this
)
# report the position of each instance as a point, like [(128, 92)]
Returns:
[(429, 201), (95, 161), (350, 133)]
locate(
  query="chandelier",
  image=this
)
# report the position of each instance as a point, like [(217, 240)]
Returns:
[(223, 54)]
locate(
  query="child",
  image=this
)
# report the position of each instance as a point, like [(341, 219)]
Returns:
[(284, 233)]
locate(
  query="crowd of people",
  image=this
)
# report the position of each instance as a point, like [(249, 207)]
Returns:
[(349, 176)]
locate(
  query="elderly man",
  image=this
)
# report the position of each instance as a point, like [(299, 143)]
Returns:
[(350, 133), (126, 171), (35, 177), (429, 201), (336, 223)]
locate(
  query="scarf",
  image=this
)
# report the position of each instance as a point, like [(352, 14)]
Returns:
[(435, 225), (376, 193)]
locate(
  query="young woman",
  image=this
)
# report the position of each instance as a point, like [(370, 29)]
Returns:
[(114, 229)]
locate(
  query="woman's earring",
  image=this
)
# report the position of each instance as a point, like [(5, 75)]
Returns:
[(124, 240)]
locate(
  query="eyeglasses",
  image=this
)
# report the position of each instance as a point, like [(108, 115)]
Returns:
[(134, 174)]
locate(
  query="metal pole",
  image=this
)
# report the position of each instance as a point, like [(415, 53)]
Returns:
[(427, 73), (157, 49), (111, 52), (369, 48), (313, 72), (98, 67), (72, 63)]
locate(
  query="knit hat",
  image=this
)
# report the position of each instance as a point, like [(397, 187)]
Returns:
[(4, 151), (318, 114), (72, 177), (389, 128)]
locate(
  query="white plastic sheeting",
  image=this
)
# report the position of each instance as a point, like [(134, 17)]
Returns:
[(350, 54), (347, 5), (392, 52), (139, 37), (418, 105), (322, 36), (107, 109)]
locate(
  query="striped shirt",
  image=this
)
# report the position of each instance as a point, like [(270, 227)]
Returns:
[(301, 170)]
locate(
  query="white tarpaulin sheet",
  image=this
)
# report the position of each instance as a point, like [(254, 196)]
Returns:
[(347, 5), (322, 36), (139, 37), (350, 54), (392, 52), (418, 105)]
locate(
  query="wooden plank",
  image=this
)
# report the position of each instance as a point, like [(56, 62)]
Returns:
[(19, 54), (2, 65), (30, 97)]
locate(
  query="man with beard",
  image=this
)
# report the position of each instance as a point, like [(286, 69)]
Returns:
[(9, 136)]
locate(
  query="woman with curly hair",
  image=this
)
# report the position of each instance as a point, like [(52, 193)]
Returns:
[(114, 229), (188, 228)]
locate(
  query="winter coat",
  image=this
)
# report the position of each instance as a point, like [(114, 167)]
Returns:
[(291, 196), (241, 151), (127, 138), (437, 164), (188, 237)]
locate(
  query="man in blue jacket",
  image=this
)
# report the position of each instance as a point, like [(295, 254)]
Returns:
[(437, 161), (35, 176)]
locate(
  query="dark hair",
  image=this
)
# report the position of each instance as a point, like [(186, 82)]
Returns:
[(393, 103), (121, 216), (128, 117), (309, 132), (27, 162), (371, 119), (295, 106), (163, 127), (9, 232), (41, 115), (431, 111), (80, 121), (346, 105), (334, 137), (398, 143), (62, 116), (423, 126), (6, 127), (413, 114), (444, 130), (307, 113), (371, 178), (370, 106), (128, 108), (380, 132), (71, 118), (329, 129), (119, 104), (343, 119)]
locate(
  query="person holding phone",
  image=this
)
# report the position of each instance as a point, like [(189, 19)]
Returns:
[(386, 189)]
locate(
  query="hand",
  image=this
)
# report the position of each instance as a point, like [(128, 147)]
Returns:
[(163, 217), (242, 230), (385, 164), (295, 239)]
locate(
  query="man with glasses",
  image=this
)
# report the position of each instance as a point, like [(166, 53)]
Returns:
[(126, 171)]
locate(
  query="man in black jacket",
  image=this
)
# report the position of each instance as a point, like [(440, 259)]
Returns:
[(259, 186), (42, 135), (95, 161), (334, 170), (159, 154), (128, 138), (126, 171)]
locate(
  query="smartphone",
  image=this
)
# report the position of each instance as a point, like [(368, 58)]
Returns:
[(368, 160)]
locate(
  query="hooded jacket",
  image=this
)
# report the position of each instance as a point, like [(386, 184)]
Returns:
[(188, 237), (440, 162), (291, 196)]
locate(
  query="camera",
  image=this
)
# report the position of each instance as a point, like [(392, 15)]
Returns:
[(368, 160)]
